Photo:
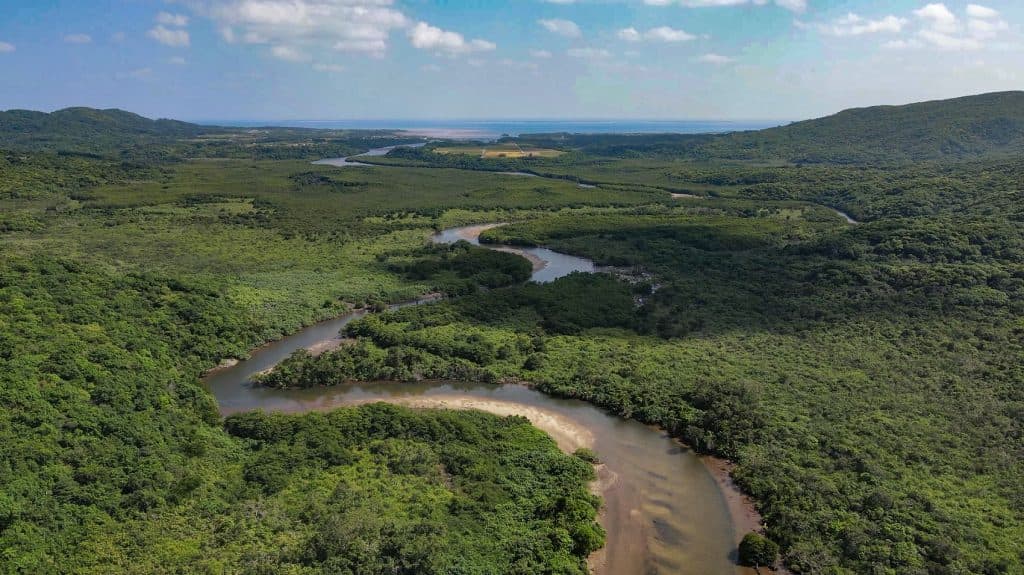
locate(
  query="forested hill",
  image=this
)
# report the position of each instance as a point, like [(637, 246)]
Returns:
[(86, 129), (961, 128), (972, 127)]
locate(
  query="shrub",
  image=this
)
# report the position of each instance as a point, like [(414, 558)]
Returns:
[(758, 551)]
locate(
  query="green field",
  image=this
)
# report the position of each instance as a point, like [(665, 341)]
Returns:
[(502, 150)]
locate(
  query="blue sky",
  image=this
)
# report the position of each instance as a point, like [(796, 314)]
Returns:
[(339, 59)]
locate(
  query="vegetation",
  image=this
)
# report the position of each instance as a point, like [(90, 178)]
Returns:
[(866, 379), (831, 361), (116, 133), (499, 150), (756, 551), (383, 489), (987, 125)]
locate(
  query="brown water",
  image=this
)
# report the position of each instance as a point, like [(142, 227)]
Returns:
[(664, 512)]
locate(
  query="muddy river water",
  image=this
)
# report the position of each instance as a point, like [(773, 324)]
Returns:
[(664, 511)]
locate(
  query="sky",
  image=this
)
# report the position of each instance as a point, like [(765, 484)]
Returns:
[(466, 59)]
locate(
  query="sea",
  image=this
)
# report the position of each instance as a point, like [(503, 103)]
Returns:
[(491, 129)]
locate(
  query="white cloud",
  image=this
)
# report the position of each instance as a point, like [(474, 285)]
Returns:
[(136, 74), (938, 18), (854, 25), (793, 5), (717, 59), (346, 25), (330, 68), (172, 19), (427, 37), (540, 53), (981, 12), (169, 37), (659, 34), (949, 41), (566, 28), (288, 53), (630, 34), (177, 61), (6, 47), (943, 30), (518, 64), (78, 39), (589, 53)]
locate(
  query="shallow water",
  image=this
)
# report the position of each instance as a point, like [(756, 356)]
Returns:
[(349, 161), (556, 264), (664, 512)]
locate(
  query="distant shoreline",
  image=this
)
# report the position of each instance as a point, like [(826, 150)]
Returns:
[(489, 129)]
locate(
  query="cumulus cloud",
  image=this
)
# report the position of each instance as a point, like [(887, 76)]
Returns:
[(938, 18), (427, 37), (933, 25), (983, 12), (716, 59), (855, 25), (168, 36), (288, 53), (940, 28), (519, 64), (359, 26), (345, 25), (78, 39), (329, 68), (566, 28), (589, 53), (793, 5), (169, 19), (659, 34), (136, 74), (6, 47)]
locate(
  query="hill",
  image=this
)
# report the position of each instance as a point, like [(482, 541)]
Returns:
[(972, 127), (961, 128), (87, 130)]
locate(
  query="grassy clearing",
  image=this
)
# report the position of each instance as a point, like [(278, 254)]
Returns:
[(508, 150)]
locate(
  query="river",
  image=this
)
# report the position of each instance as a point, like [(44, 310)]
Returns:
[(349, 161), (664, 510)]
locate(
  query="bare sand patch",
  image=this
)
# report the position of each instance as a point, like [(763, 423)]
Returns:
[(568, 434), (472, 233), (537, 262)]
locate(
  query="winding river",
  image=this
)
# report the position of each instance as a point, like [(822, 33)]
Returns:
[(664, 511)]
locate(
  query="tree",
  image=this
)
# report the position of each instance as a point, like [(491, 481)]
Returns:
[(758, 551)]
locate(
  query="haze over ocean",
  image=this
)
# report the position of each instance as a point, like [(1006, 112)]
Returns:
[(497, 127)]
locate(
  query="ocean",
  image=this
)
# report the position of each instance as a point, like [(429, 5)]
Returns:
[(489, 129)]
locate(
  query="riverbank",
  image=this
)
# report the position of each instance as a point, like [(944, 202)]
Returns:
[(665, 510)]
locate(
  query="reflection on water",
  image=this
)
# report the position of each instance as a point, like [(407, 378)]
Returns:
[(556, 264), (349, 161)]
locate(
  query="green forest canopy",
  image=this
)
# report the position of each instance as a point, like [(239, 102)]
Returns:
[(866, 379)]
